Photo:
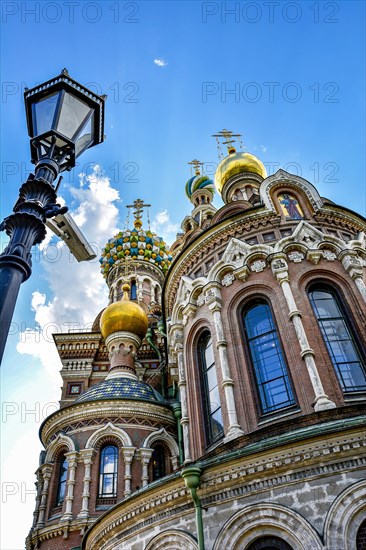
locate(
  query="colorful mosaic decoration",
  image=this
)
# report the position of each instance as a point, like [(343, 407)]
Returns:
[(121, 388), (199, 182), (138, 245)]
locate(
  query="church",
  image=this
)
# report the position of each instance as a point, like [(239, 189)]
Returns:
[(218, 401)]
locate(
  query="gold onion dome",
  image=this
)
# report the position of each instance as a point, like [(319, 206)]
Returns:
[(235, 163), (124, 316)]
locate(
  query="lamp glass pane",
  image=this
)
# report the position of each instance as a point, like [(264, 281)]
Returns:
[(72, 115), (43, 114), (85, 138)]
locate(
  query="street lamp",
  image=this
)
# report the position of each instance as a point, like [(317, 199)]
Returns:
[(64, 119)]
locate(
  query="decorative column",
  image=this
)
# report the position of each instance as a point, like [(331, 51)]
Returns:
[(353, 266), (213, 299), (145, 455), (88, 456), (280, 271), (38, 485), (177, 337), (128, 453), (70, 484), (46, 472)]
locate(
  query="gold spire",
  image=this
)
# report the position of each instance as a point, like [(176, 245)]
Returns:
[(138, 206), (197, 166)]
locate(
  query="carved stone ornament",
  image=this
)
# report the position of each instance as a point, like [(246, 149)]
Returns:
[(258, 266), (296, 257), (228, 279)]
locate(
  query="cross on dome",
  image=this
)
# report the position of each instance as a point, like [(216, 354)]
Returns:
[(228, 138)]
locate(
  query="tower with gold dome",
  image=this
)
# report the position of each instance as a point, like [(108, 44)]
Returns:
[(219, 399)]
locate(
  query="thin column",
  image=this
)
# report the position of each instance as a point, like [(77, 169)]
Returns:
[(128, 453), (46, 475), (145, 455), (70, 484), (38, 485), (227, 383), (177, 335), (88, 456), (280, 271)]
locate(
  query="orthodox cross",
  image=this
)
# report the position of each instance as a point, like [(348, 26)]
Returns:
[(228, 138), (138, 206), (197, 166)]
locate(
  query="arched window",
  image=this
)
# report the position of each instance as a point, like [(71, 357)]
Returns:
[(272, 379), (338, 337), (269, 543), (108, 472), (133, 290), (158, 462), (62, 476), (211, 397)]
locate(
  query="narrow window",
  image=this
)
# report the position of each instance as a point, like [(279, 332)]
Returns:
[(108, 472), (158, 462), (61, 489), (133, 290), (339, 339), (273, 384), (211, 397)]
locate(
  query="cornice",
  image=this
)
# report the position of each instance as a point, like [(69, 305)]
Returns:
[(77, 412)]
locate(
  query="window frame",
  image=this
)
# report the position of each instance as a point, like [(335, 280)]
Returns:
[(347, 318), (102, 474), (292, 403), (210, 438), (62, 483)]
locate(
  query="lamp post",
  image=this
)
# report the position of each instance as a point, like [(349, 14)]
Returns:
[(64, 119)]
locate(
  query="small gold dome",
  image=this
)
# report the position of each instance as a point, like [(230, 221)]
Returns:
[(124, 316), (235, 163)]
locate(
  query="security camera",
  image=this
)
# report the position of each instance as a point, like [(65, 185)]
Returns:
[(65, 227)]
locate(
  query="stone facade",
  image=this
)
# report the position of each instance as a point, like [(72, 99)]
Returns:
[(251, 477)]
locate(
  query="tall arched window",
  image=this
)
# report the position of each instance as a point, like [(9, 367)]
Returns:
[(211, 397), (108, 472), (158, 462), (272, 379), (62, 477), (338, 337)]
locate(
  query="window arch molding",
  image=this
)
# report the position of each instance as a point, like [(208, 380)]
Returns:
[(256, 520), (265, 357), (339, 332)]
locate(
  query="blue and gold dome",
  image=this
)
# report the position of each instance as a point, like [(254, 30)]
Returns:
[(137, 244), (121, 388), (199, 182)]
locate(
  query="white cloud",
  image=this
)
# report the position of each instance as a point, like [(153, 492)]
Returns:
[(160, 62), (164, 227), (79, 289), (263, 148)]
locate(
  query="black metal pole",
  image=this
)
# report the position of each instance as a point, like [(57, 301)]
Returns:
[(25, 227)]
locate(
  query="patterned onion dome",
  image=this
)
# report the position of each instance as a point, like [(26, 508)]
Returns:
[(121, 388), (137, 244), (199, 182), (235, 163), (124, 315)]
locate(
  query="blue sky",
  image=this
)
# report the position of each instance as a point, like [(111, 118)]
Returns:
[(289, 76)]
